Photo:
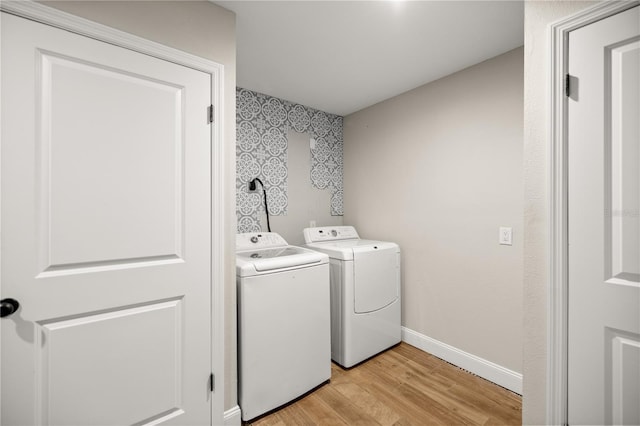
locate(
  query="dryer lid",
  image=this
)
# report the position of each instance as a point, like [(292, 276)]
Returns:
[(344, 250)]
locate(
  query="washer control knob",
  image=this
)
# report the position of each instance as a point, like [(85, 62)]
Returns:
[(334, 233), (254, 239)]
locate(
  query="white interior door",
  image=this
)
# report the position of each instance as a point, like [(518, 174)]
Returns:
[(604, 222), (106, 235)]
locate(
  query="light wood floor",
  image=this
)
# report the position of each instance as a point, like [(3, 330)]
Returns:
[(402, 386)]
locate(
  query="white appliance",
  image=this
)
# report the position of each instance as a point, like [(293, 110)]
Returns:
[(365, 292), (284, 343)]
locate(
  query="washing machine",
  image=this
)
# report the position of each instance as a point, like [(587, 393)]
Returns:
[(365, 292), (284, 343)]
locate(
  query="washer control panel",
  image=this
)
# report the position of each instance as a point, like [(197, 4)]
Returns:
[(258, 240), (330, 233)]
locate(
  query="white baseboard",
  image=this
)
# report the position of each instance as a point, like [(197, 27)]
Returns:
[(476, 365), (233, 417)]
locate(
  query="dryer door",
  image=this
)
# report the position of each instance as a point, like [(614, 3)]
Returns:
[(376, 270)]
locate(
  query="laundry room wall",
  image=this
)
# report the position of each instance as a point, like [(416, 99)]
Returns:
[(306, 202), (438, 170), (207, 30), (296, 151)]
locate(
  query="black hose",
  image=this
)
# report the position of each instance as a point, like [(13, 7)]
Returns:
[(266, 207)]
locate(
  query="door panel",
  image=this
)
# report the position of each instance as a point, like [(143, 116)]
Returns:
[(624, 376), (92, 145), (623, 183), (375, 278), (603, 222), (106, 233), (74, 345)]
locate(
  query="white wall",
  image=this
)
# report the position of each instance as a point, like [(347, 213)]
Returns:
[(538, 15), (306, 202), (206, 30), (438, 170)]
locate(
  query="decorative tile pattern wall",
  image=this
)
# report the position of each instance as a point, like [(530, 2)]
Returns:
[(261, 151)]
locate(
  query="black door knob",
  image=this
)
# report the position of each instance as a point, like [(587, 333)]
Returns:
[(8, 306)]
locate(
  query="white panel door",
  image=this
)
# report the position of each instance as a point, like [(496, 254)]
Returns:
[(106, 236), (604, 219)]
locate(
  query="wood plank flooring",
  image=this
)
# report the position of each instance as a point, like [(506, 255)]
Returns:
[(402, 386)]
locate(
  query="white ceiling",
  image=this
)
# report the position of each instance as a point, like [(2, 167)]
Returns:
[(343, 56)]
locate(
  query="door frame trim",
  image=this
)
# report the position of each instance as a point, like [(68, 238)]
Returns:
[(44, 14), (557, 289)]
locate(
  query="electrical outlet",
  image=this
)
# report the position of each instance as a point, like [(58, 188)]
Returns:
[(505, 236)]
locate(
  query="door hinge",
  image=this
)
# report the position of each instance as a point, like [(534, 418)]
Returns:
[(212, 382), (567, 85), (210, 114)]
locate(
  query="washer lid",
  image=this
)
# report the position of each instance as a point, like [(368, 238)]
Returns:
[(253, 262)]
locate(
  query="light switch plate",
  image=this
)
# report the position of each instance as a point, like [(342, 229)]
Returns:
[(505, 236)]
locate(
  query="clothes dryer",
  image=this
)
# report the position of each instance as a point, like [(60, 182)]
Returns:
[(283, 321), (365, 292)]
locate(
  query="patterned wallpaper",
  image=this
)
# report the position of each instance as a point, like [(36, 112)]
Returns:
[(262, 124)]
